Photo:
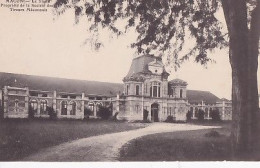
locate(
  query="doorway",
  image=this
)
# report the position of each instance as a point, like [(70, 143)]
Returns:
[(154, 112)]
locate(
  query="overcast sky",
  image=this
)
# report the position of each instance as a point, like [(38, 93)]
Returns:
[(34, 43)]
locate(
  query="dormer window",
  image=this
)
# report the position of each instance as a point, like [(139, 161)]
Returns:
[(181, 93)]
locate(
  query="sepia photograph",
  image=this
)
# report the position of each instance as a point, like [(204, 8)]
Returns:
[(140, 82)]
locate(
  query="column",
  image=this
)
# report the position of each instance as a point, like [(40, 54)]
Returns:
[(223, 110), (5, 102), (54, 102), (27, 101), (82, 105)]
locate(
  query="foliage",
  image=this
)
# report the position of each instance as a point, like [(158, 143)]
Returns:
[(52, 113), (170, 119), (201, 114), (104, 112), (162, 26), (215, 115), (87, 113)]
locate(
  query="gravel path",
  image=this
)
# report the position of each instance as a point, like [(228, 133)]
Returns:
[(104, 147)]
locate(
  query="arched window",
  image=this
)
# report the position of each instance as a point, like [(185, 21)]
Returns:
[(34, 106), (127, 89), (155, 89), (72, 108), (91, 107), (43, 107), (137, 89), (64, 107), (181, 93), (98, 105)]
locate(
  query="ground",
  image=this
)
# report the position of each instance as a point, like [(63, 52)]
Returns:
[(192, 145), (20, 138), (104, 147), (45, 140)]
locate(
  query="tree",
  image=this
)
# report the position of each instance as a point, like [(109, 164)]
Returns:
[(163, 27)]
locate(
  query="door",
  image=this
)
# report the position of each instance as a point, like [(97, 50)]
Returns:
[(154, 112)]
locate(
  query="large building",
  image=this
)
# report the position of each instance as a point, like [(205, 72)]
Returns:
[(145, 94)]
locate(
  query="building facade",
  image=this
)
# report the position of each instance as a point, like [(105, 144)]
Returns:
[(146, 94)]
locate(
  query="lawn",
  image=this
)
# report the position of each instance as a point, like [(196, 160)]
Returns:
[(20, 138), (180, 146)]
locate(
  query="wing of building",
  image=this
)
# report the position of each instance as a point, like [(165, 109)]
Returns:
[(145, 93)]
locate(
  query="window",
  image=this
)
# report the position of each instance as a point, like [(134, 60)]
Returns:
[(33, 94), (127, 89), (181, 93), (34, 104), (91, 107), (196, 112), (64, 96), (72, 108), (44, 95), (73, 96), (64, 106), (98, 105), (43, 107), (137, 89), (155, 89)]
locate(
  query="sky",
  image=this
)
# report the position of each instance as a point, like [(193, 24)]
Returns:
[(38, 43)]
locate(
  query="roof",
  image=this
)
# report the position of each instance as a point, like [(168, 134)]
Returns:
[(60, 84), (140, 64), (196, 96), (87, 87), (139, 67), (178, 82)]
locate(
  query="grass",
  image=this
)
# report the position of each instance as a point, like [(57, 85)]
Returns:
[(20, 138), (198, 145)]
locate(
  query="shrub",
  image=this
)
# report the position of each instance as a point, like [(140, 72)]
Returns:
[(114, 118), (212, 133), (215, 115), (170, 119), (189, 115), (52, 113), (201, 114), (87, 113), (104, 112)]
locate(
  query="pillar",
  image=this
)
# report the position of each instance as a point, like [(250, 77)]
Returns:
[(54, 101), (27, 101), (82, 104)]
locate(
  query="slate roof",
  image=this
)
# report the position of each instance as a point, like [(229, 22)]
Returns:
[(60, 84), (140, 64), (196, 96), (88, 87)]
